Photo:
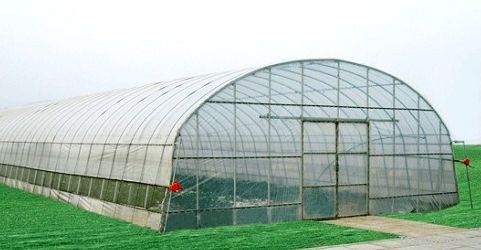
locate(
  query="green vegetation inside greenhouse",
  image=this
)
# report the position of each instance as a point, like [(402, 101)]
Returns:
[(213, 196), (32, 221), (460, 215)]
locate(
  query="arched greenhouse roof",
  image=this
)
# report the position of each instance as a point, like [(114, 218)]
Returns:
[(149, 115)]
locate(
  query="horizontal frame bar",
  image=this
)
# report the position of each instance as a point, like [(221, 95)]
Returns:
[(412, 195), (93, 144), (333, 153), (317, 105), (334, 185), (323, 119), (233, 208), (410, 154), (237, 157)]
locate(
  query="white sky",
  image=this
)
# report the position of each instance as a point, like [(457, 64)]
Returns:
[(59, 49)]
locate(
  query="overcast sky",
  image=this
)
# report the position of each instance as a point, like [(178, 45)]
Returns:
[(58, 49)]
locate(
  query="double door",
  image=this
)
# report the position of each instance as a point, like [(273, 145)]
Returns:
[(335, 169)]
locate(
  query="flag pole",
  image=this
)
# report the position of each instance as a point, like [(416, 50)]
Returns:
[(467, 176), (467, 171)]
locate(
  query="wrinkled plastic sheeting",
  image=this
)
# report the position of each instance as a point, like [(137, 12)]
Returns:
[(136, 216)]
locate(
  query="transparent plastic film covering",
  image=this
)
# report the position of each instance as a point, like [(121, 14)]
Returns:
[(307, 139), (312, 139)]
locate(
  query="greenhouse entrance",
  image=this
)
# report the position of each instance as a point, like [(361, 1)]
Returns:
[(335, 168)]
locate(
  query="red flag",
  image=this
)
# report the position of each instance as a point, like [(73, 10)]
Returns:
[(176, 187)]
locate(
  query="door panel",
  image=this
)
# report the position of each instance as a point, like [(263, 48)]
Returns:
[(352, 137), (319, 169), (335, 169), (352, 169), (352, 200), (319, 202), (319, 137)]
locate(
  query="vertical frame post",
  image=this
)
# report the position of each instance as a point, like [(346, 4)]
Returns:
[(269, 148), (234, 212), (337, 168), (301, 188), (301, 174), (418, 148), (197, 166), (338, 89), (368, 127), (393, 140)]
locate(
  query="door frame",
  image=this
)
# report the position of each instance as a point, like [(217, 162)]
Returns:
[(337, 131)]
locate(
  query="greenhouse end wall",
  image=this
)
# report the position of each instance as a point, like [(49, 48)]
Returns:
[(314, 139), (309, 139)]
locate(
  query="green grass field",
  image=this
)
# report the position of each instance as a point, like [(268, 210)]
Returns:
[(461, 215), (32, 221)]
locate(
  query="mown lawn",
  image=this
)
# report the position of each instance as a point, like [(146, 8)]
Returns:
[(31, 221), (460, 215)]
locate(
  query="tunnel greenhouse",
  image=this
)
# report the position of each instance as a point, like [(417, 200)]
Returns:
[(306, 139)]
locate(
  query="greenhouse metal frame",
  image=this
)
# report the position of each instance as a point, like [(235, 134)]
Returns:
[(306, 139)]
